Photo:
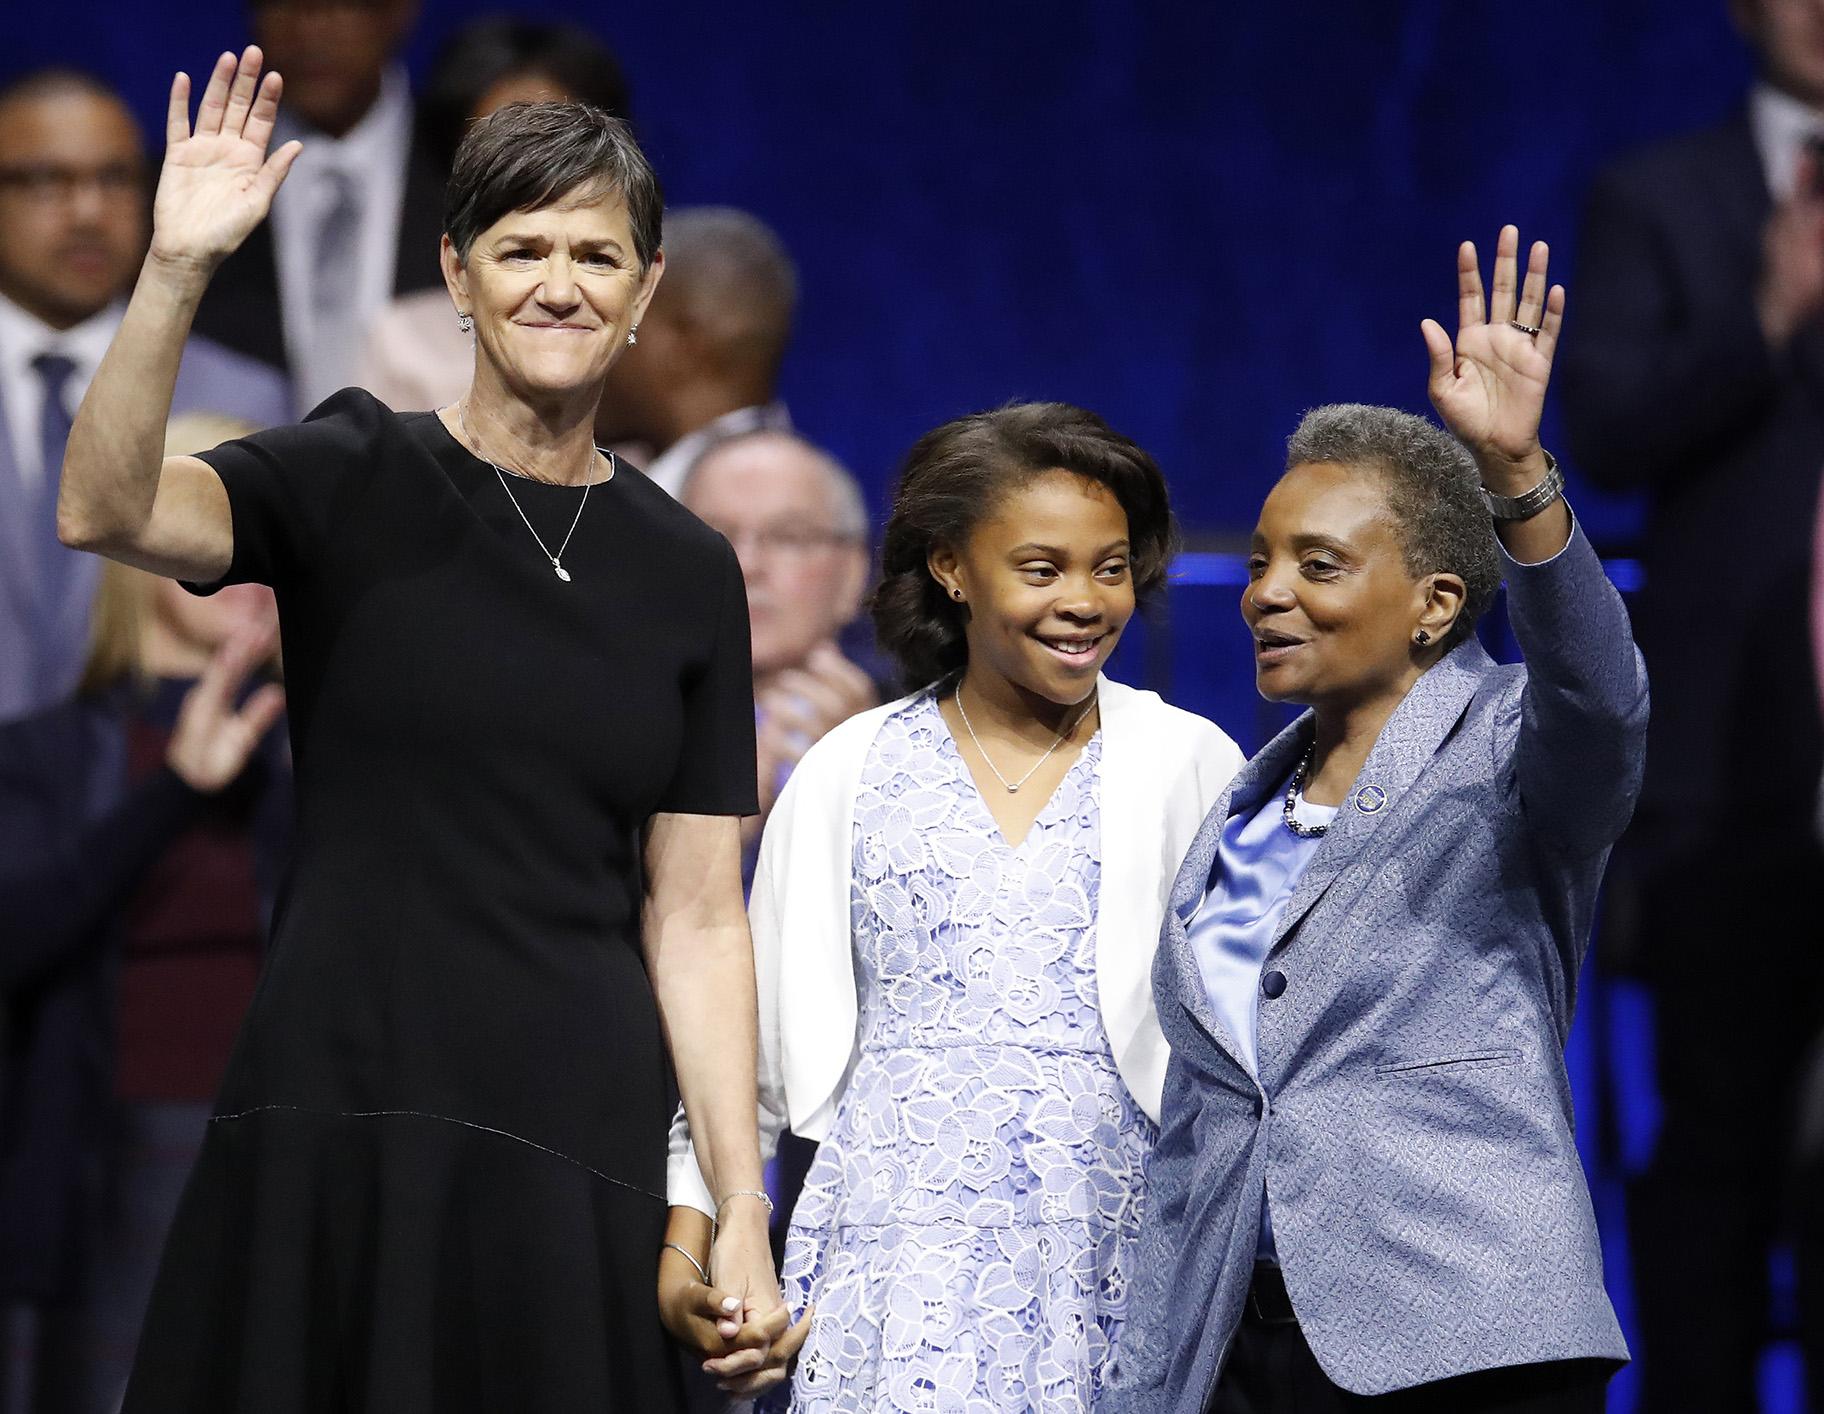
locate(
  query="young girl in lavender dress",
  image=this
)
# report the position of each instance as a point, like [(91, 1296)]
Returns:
[(954, 919)]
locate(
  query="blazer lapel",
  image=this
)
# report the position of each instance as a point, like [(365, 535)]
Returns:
[(1406, 744), (1177, 973)]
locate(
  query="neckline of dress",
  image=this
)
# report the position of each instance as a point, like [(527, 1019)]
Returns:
[(974, 791)]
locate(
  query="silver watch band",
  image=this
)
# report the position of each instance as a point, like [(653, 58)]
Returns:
[(1531, 501)]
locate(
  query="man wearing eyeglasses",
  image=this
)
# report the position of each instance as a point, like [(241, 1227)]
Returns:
[(800, 529), (73, 205)]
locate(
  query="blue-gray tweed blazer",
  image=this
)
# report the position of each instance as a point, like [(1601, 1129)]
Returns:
[(1411, 1125)]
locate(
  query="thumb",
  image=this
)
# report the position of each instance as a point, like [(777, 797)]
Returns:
[(1442, 353)]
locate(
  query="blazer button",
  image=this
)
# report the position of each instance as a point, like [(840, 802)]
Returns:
[(1273, 983)]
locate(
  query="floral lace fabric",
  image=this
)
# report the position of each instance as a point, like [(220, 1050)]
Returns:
[(967, 1229)]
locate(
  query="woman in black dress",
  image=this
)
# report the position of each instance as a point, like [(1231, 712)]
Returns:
[(521, 718)]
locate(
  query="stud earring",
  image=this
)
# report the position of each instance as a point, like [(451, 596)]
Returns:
[(957, 595), (633, 336), (466, 323), (1421, 637)]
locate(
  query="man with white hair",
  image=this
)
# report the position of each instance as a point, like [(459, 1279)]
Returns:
[(799, 526)]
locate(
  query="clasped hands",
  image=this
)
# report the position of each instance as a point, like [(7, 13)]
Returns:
[(737, 1320)]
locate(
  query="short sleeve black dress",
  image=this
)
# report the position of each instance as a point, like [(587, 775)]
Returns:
[(435, 1177)]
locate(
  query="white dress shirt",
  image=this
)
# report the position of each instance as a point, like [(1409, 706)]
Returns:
[(1782, 126), (23, 337), (372, 157)]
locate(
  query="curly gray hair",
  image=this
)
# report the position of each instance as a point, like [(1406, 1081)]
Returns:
[(1433, 491)]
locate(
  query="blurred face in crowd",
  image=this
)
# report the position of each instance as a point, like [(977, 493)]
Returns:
[(553, 292), (332, 54), (1330, 601), (1047, 580), (526, 86), (1789, 37), (773, 498), (72, 203)]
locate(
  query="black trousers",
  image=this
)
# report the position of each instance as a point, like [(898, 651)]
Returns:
[(1729, 945), (1271, 1370)]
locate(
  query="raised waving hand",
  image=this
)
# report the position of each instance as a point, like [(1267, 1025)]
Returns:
[(218, 180), (1489, 387)]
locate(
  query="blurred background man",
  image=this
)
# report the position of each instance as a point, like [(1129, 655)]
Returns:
[(73, 229), (360, 216), (800, 528), (706, 367), (1697, 374)]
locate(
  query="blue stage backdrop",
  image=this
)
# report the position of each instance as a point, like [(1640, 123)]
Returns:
[(1198, 219)]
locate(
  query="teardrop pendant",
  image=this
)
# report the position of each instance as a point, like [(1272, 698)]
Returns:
[(562, 573)]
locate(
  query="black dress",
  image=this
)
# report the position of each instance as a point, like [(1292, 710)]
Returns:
[(435, 1177)]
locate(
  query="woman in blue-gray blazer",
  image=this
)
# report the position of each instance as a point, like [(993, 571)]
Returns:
[(1366, 1193)]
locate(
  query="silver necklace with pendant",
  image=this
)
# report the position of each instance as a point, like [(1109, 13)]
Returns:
[(557, 560), (1057, 741)]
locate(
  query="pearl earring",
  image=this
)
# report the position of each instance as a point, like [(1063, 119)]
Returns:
[(466, 323), (633, 336)]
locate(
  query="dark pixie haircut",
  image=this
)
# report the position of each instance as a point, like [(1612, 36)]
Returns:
[(954, 477), (483, 52), (1433, 490), (528, 156)]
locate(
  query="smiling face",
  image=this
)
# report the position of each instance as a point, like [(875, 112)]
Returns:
[(1047, 582), (1332, 606), (553, 293)]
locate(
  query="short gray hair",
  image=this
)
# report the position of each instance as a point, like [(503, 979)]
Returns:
[(732, 272), (1433, 492), (529, 156), (848, 506)]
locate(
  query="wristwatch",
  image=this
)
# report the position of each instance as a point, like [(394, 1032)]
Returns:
[(1530, 502)]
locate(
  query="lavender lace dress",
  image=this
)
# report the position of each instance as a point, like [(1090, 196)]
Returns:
[(967, 1229)]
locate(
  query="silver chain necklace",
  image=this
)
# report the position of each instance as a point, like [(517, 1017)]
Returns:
[(1057, 741), (557, 560)]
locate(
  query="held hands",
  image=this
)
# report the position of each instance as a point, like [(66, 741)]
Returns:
[(218, 181), (741, 1264), (213, 739), (1490, 387)]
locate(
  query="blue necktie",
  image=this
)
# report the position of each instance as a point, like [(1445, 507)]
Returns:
[(56, 565)]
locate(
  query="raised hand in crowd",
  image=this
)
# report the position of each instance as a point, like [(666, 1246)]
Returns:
[(799, 706), (217, 733)]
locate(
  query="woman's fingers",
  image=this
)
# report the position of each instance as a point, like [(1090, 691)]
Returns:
[(1532, 292), (1501, 294), (177, 110), (1469, 287), (241, 91), (215, 97), (784, 1351), (1547, 342), (264, 112)]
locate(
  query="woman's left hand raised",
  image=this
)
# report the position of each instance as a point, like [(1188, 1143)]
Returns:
[(1490, 386)]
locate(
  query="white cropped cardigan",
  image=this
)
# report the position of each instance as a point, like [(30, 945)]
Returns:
[(1162, 770)]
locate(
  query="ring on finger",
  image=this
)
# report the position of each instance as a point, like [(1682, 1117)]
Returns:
[(1530, 330)]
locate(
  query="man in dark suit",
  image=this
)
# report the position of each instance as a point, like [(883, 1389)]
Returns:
[(72, 235), (1698, 375), (358, 220)]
